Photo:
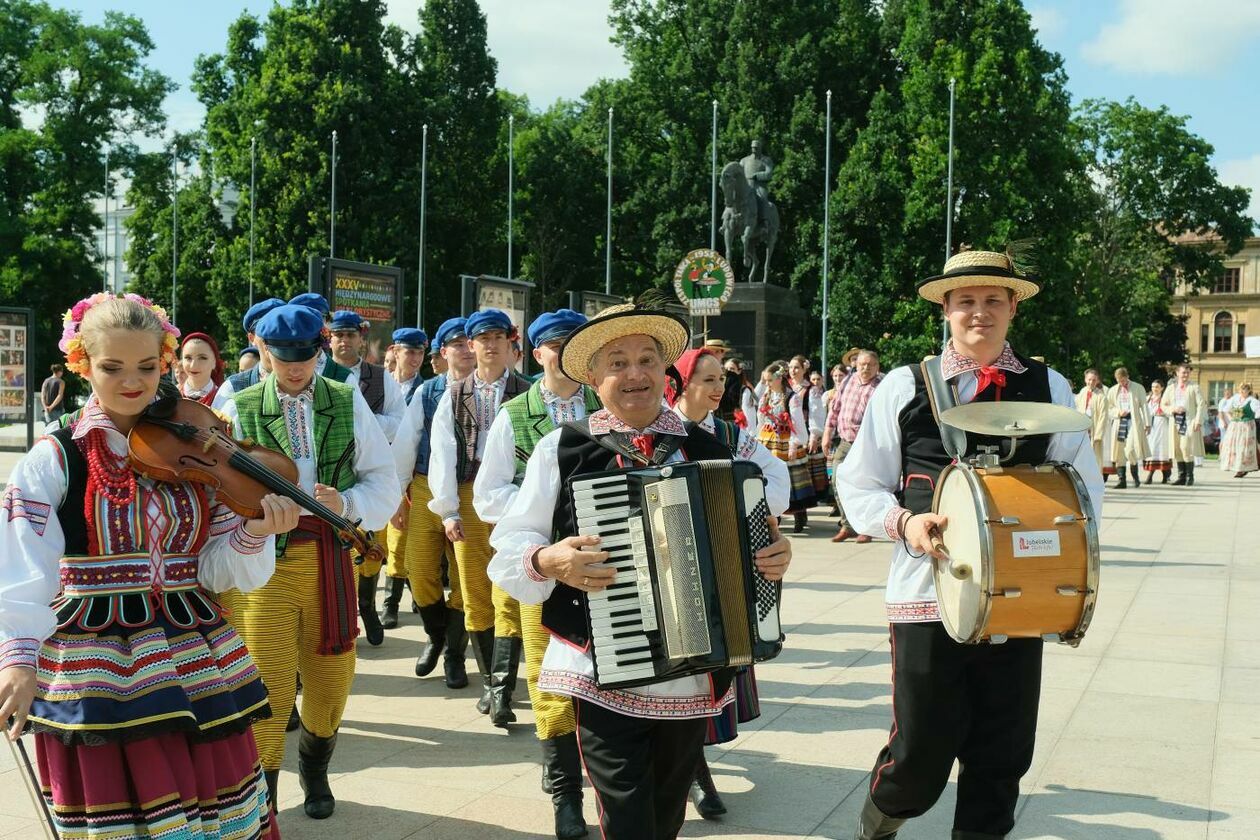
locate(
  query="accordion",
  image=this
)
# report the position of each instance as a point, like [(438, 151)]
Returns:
[(687, 598)]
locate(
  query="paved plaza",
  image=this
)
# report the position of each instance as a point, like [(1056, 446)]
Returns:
[(1151, 729)]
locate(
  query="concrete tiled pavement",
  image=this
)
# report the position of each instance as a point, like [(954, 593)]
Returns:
[(1151, 729)]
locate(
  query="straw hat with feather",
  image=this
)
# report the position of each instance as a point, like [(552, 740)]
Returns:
[(978, 268), (639, 318)]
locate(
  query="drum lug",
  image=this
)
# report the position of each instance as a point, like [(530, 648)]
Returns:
[(997, 639), (1052, 637), (1044, 468), (1073, 591), (1005, 520), (1065, 519), (1012, 592)]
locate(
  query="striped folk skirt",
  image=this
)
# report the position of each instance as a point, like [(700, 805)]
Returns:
[(747, 706)]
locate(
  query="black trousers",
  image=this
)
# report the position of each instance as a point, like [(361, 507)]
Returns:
[(641, 769), (973, 703)]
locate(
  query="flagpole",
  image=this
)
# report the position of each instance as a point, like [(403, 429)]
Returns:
[(511, 164), (253, 156), (105, 238), (424, 173), (174, 233), (332, 203), (949, 197), (826, 232), (713, 174), (608, 222)]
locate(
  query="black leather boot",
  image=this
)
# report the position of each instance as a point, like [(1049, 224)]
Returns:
[(314, 753), (367, 611), (800, 521), (874, 824), (1133, 471), (1189, 473), (1150, 476), (504, 664), (1182, 472), (483, 652), (1167, 474), (562, 765), (456, 649), (273, 780), (389, 615), (433, 617), (1123, 478), (705, 794)]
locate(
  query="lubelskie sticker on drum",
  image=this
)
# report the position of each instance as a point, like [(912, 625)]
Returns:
[(1035, 544)]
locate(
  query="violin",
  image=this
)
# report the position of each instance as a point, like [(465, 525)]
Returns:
[(178, 439)]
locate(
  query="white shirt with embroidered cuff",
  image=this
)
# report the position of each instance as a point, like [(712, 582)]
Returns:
[(871, 475), (443, 445), (567, 670)]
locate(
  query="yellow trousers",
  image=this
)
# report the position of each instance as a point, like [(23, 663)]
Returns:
[(395, 562), (233, 603), (485, 605), (553, 713), (281, 628), (424, 547)]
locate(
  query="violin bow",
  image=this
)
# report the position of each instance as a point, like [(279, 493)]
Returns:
[(31, 783)]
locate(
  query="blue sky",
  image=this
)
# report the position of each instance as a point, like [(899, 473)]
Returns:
[(1199, 58)]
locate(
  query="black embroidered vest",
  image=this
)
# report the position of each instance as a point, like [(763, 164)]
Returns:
[(372, 385), (922, 453)]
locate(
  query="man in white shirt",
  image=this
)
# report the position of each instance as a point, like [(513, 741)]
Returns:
[(461, 426), (641, 746), (972, 703), (1130, 424), (1091, 401)]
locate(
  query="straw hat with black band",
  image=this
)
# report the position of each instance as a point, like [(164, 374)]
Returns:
[(978, 268), (669, 330)]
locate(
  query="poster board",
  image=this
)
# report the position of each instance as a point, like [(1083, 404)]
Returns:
[(17, 385), (375, 292), (486, 291), (1251, 347), (591, 304)]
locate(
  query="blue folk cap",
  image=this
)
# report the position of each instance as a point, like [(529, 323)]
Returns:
[(487, 319), (411, 337), (291, 332), (255, 313), (248, 350), (451, 328), (551, 326), (314, 300), (344, 320)]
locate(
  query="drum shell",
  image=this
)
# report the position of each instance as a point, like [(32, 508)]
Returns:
[(1009, 503)]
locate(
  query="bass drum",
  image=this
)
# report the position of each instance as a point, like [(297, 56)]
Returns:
[(1023, 559)]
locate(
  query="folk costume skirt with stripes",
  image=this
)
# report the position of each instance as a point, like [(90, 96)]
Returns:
[(141, 718), (747, 706), (282, 627), (486, 606), (803, 495), (426, 546)]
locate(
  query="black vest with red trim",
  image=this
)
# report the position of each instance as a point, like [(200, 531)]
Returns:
[(922, 452), (372, 385), (564, 613)]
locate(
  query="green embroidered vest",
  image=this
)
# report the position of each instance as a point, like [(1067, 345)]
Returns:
[(334, 371), (262, 421), (531, 422)]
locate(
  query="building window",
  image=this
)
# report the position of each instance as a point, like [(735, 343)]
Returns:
[(1203, 338), (1223, 333), (1228, 282), (1242, 338), (1217, 389)]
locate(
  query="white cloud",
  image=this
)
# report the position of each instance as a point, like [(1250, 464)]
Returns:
[(1244, 172), (1173, 37), (1048, 21), (546, 49)]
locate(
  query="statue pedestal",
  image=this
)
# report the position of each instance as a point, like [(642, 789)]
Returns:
[(762, 322)]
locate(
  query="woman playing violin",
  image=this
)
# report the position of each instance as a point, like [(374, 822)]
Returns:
[(304, 621), (139, 693)]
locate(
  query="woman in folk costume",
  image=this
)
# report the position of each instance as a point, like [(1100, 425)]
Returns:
[(782, 429), (703, 385), (139, 694), (202, 366), (1092, 402), (1126, 402), (1158, 458), (1238, 447), (1186, 410), (813, 406)]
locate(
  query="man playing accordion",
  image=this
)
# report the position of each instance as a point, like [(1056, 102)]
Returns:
[(641, 745)]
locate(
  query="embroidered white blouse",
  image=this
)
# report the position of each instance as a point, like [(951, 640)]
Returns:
[(871, 475), (523, 530), (443, 457), (392, 410), (32, 542), (778, 482)]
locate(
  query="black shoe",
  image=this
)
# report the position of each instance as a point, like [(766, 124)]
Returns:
[(1150, 476), (801, 520), (704, 793), (546, 782), (504, 664), (367, 611), (433, 617), (1167, 474), (1137, 479), (295, 719), (1123, 484), (314, 753), (1189, 473), (273, 781), (874, 824), (483, 652), (456, 650), (1182, 472), (562, 765), (389, 615)]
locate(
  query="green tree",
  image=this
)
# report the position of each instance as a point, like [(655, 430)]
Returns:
[(1152, 199), (87, 86)]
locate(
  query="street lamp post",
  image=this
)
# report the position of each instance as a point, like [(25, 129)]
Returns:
[(174, 234), (424, 172), (608, 221), (253, 149), (826, 234), (105, 227), (511, 159), (332, 203)]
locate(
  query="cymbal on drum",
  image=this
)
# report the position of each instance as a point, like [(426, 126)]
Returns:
[(1014, 419)]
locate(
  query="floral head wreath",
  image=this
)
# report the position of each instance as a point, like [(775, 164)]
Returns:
[(72, 342)]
